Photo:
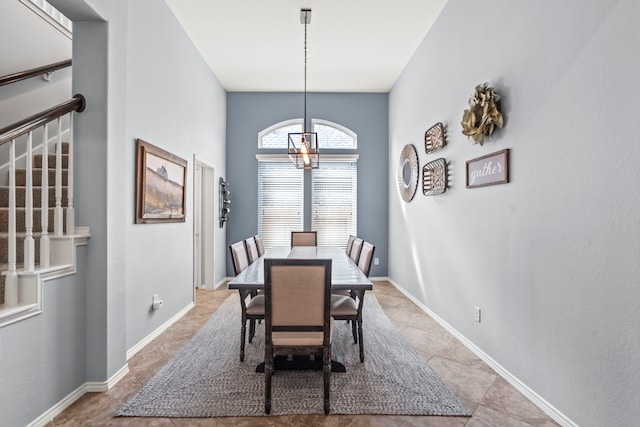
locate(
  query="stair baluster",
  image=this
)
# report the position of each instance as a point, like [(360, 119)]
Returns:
[(71, 226), (29, 243), (44, 200), (11, 279), (57, 213)]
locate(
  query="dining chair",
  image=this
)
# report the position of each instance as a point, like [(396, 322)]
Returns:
[(348, 251), (356, 247), (297, 315), (366, 256), (345, 307), (304, 238), (259, 245), (350, 243), (252, 249), (251, 304)]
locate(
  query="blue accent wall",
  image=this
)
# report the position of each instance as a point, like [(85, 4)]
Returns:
[(364, 113)]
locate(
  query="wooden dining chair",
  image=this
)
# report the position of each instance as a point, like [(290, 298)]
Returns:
[(252, 249), (366, 256), (349, 308), (251, 304), (259, 245), (297, 315), (349, 244), (304, 238), (356, 247)]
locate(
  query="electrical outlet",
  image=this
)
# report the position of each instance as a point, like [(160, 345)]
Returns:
[(156, 303), (376, 261), (477, 314)]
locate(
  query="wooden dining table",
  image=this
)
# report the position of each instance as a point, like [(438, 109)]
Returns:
[(345, 276)]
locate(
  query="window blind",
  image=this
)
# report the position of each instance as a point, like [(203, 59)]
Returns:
[(334, 200), (280, 202)]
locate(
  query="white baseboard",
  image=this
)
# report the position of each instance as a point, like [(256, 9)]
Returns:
[(222, 282), (534, 397), (99, 386), (146, 340), (93, 386)]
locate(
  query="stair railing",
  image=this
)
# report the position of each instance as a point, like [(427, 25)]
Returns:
[(10, 134), (33, 72)]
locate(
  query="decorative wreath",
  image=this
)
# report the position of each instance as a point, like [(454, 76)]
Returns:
[(483, 115)]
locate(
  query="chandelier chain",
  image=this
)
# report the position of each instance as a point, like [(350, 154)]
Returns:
[(304, 125)]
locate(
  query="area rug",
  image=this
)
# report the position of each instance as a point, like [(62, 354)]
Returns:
[(207, 379)]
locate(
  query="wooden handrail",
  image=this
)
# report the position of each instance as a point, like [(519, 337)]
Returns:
[(77, 103), (22, 75)]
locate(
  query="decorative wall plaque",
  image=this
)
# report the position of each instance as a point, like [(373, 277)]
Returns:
[(491, 169), (434, 138), (408, 172), (434, 177)]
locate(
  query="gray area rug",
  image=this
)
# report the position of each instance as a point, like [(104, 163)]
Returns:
[(207, 379)]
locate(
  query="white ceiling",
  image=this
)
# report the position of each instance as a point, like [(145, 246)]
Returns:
[(353, 45)]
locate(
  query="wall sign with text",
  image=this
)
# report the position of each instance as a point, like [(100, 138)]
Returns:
[(491, 169)]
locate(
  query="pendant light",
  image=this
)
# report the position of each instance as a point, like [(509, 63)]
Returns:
[(303, 146)]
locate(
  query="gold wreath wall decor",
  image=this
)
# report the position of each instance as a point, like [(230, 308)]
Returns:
[(483, 115)]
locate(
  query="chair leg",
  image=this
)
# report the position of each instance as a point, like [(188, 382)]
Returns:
[(252, 329), (361, 342), (354, 331), (326, 370), (243, 333), (268, 369)]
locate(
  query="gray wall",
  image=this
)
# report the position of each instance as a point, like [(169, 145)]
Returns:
[(364, 113), (133, 71), (553, 257)]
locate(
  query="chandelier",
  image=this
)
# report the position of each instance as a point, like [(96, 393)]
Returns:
[(303, 146)]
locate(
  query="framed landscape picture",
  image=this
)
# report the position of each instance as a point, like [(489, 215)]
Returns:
[(161, 179), (491, 169)]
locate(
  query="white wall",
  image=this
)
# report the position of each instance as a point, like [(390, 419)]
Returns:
[(553, 257)]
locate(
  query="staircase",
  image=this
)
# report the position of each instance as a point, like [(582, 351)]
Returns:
[(37, 211)]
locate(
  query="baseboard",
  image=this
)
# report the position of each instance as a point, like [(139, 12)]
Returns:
[(534, 397), (146, 340), (100, 386), (70, 399), (222, 282)]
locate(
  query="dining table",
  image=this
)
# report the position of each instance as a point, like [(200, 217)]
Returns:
[(345, 276)]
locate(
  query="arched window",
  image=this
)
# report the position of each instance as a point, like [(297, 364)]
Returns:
[(275, 136), (333, 202), (332, 135)]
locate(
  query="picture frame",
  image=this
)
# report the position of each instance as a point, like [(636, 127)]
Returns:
[(161, 179), (492, 169)]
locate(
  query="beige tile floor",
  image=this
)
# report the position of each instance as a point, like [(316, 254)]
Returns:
[(492, 401)]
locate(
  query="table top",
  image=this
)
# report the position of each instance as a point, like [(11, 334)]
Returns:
[(345, 274)]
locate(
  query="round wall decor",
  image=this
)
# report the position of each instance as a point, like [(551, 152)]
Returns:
[(408, 172)]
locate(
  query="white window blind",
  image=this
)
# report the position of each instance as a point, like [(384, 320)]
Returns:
[(334, 200), (280, 202)]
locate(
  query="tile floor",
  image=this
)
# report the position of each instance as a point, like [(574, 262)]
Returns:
[(492, 401)]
